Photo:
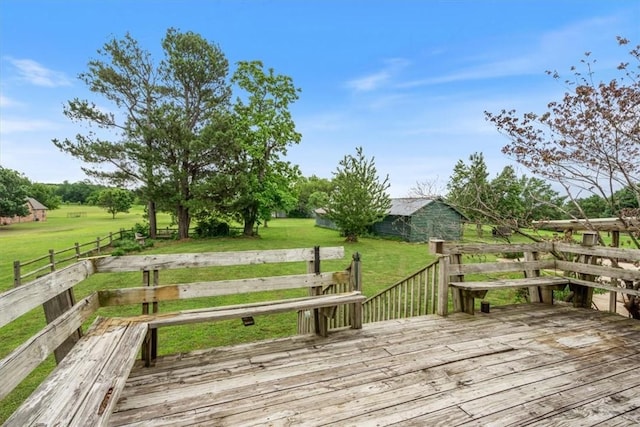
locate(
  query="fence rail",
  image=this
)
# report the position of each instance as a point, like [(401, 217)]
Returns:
[(415, 295), (63, 257)]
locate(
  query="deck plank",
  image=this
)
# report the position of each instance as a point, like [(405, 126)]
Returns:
[(518, 365)]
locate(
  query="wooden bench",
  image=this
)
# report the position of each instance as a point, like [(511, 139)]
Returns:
[(324, 290), (573, 265), (84, 388), (468, 291), (139, 238)]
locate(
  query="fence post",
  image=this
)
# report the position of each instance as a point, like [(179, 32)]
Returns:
[(52, 259), (16, 274), (98, 245), (110, 239), (77, 245)]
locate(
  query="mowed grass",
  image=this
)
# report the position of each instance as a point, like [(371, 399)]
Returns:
[(383, 263)]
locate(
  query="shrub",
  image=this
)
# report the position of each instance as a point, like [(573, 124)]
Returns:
[(212, 227)]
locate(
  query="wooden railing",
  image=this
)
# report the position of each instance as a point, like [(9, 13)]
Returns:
[(67, 316), (547, 267), (104, 355), (415, 295)]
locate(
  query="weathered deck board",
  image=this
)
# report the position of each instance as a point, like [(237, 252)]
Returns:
[(521, 365)]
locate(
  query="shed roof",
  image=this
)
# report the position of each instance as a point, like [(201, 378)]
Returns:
[(36, 205), (407, 206), (404, 206)]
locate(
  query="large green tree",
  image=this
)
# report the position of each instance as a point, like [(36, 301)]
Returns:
[(468, 188), (505, 201), (162, 109), (265, 130), (46, 194), (115, 200), (311, 193), (14, 190), (360, 198)]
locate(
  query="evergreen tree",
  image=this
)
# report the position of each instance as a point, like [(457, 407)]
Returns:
[(359, 199)]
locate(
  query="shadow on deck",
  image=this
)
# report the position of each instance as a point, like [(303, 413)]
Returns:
[(530, 364)]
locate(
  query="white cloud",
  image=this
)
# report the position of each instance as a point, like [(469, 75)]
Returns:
[(555, 49), (370, 82), (377, 79), (13, 125), (36, 74), (6, 102)]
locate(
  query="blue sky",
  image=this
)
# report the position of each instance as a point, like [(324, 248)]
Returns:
[(406, 80)]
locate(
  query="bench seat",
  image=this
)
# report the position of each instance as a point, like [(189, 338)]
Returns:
[(227, 312), (245, 310), (468, 291), (83, 389)]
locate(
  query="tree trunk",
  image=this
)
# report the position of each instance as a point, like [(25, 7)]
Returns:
[(250, 216), (153, 223), (248, 227), (184, 221)]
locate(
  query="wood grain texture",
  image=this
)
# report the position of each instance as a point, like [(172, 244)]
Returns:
[(18, 301), (519, 365), (211, 259), (24, 359), (246, 310), (84, 387), (147, 294)]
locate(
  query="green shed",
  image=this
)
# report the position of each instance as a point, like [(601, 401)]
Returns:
[(420, 219)]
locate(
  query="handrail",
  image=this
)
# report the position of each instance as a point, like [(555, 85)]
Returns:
[(415, 295)]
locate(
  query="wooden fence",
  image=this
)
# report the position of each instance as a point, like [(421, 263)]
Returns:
[(57, 259)]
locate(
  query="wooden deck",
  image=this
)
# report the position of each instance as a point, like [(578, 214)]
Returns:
[(518, 365)]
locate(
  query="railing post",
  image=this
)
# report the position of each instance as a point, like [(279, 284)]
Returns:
[(613, 296), (110, 239), (443, 285), (150, 347), (356, 309), (55, 307), (320, 322), (16, 274), (582, 295), (98, 245), (77, 245)]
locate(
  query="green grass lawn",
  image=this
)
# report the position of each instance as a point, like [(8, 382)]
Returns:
[(384, 262)]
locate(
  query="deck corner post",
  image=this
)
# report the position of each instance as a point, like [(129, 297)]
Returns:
[(320, 323), (443, 285), (356, 285), (583, 295), (436, 246)]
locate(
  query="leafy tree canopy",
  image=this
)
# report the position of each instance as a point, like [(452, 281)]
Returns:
[(46, 194), (14, 190), (359, 199), (265, 131), (115, 200)]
